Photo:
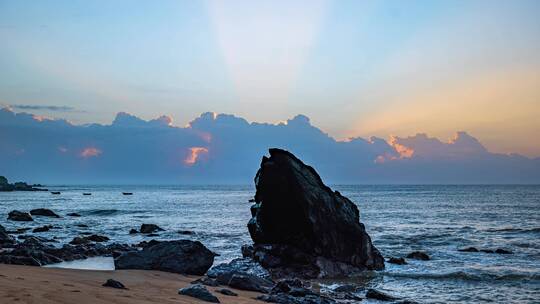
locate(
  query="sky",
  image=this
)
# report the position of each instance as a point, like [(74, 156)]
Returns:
[(355, 68)]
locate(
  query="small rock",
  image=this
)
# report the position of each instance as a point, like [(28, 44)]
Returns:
[(199, 292), (42, 229), (487, 250), (20, 216), (398, 261), (186, 232), (74, 214), (503, 251), (114, 284), (44, 212), (97, 238), (133, 231), (206, 281), (468, 249), (378, 295), (82, 225), (149, 228), (227, 292), (250, 282), (79, 240), (346, 288), (418, 255)]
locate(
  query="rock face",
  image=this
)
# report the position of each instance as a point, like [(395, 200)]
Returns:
[(182, 256), (300, 223)]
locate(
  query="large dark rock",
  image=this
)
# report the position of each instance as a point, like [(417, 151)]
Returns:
[(379, 295), (44, 212), (418, 255), (250, 282), (149, 228), (5, 238), (299, 223), (182, 256), (199, 292), (16, 215)]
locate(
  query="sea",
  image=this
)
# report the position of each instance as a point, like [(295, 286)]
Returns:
[(437, 219)]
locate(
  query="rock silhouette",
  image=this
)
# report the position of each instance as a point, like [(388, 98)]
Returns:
[(301, 227)]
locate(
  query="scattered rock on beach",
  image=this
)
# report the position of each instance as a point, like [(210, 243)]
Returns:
[(301, 228), (149, 228), (418, 255), (114, 284), (181, 256), (398, 261), (16, 215), (227, 292), (206, 281), (250, 282), (43, 212), (199, 292), (379, 295)]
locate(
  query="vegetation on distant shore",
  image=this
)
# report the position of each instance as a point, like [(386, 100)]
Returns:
[(5, 186)]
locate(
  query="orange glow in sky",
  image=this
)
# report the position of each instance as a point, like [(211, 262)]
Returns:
[(194, 153), (90, 152)]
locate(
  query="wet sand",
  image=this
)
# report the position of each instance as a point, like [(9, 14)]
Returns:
[(27, 284)]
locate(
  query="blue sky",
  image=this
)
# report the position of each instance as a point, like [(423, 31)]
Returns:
[(356, 68)]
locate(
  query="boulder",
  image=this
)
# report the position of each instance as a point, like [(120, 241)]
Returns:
[(398, 261), (97, 238), (379, 295), (199, 292), (73, 214), (250, 282), (227, 292), (503, 251), (181, 256), (224, 272), (133, 231), (44, 212), (149, 228), (468, 249), (5, 238), (300, 227), (42, 228), (114, 284), (16, 215), (418, 255)]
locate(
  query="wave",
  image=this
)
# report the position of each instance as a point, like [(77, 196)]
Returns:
[(102, 212), (511, 229), (464, 276)]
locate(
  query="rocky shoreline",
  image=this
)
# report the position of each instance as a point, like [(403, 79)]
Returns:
[(5, 186)]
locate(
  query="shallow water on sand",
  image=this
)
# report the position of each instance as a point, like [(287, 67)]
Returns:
[(400, 219)]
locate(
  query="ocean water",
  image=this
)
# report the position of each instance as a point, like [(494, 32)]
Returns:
[(400, 219)]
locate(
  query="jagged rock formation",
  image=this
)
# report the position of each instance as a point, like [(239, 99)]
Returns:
[(301, 227)]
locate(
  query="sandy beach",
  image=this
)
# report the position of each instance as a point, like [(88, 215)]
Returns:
[(27, 284)]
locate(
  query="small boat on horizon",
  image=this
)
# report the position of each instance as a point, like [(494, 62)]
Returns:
[(127, 193), (55, 192), (86, 193)]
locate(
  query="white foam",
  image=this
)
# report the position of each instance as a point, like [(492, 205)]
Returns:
[(95, 263)]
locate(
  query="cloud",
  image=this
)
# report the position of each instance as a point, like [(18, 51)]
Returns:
[(223, 148), (43, 107)]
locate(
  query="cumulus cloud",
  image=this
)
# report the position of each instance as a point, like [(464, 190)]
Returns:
[(223, 148)]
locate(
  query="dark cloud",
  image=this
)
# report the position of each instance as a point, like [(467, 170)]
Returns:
[(43, 107), (227, 149)]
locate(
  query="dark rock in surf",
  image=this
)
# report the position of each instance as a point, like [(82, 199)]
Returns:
[(250, 282), (503, 251), (227, 292), (487, 250), (16, 215), (346, 288), (149, 228), (398, 261), (97, 238), (114, 284), (43, 212), (468, 249), (73, 214), (199, 292), (301, 228), (79, 240), (379, 295), (186, 232), (418, 255), (133, 231), (5, 238), (42, 229), (182, 256)]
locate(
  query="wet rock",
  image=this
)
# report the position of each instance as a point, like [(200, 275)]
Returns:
[(114, 284), (73, 214), (206, 281), (487, 250), (468, 249), (79, 240), (346, 288), (181, 256), (199, 292), (186, 232), (418, 255), (398, 261), (5, 238), (149, 228), (283, 298), (311, 230), (97, 238), (133, 231), (42, 228), (227, 292), (43, 212), (224, 272), (152, 235), (82, 225), (16, 215), (379, 295), (250, 282), (147, 243), (503, 251)]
